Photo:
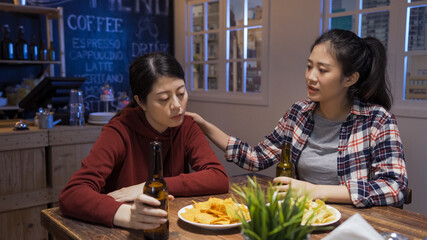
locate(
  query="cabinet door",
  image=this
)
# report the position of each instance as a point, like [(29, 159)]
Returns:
[(23, 193), (64, 160), (22, 224), (22, 170)]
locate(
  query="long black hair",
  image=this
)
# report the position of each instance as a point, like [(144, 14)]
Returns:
[(147, 69), (367, 56)]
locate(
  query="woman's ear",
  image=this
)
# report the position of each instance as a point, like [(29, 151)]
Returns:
[(139, 102), (352, 79)]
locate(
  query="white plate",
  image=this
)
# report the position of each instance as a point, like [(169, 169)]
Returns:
[(206, 226), (97, 122), (101, 116), (337, 214)]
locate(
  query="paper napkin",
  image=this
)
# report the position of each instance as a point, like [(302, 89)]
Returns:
[(354, 228)]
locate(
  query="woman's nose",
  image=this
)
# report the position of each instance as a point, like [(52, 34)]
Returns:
[(175, 103), (311, 76)]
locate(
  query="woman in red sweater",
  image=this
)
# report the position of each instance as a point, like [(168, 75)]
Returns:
[(116, 168)]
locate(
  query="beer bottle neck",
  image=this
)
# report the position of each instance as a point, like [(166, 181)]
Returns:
[(158, 165), (156, 161), (286, 153)]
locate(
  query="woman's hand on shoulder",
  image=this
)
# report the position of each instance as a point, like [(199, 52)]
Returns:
[(196, 117), (127, 194), (215, 134)]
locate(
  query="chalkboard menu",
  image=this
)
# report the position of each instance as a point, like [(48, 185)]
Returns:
[(102, 38)]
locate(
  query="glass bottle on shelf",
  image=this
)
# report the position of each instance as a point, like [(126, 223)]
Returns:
[(285, 167), (107, 98), (6, 44), (21, 46), (43, 52), (51, 52), (34, 50), (155, 186)]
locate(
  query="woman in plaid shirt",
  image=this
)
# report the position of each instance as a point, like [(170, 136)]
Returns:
[(345, 144)]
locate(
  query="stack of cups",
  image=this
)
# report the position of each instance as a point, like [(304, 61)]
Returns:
[(77, 117)]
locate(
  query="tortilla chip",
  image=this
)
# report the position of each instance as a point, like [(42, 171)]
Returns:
[(216, 211), (322, 214)]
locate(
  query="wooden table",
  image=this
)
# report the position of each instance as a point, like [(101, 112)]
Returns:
[(383, 219)]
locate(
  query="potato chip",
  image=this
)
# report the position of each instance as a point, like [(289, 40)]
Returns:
[(322, 214), (204, 218), (215, 211)]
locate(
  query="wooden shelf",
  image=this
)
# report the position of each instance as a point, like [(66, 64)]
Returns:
[(51, 14), (29, 62), (3, 108), (8, 7)]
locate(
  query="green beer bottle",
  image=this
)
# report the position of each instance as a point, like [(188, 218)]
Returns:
[(285, 167)]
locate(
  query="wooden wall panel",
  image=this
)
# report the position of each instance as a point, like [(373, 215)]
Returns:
[(64, 161), (13, 140), (34, 167), (22, 224), (22, 170), (31, 226), (64, 135)]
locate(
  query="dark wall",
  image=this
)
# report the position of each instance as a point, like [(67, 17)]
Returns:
[(102, 38)]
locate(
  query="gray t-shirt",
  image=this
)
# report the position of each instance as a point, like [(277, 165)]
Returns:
[(318, 161)]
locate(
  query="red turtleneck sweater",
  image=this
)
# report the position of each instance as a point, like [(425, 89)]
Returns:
[(120, 158)]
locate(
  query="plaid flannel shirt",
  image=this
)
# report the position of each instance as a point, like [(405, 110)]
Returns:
[(370, 159)]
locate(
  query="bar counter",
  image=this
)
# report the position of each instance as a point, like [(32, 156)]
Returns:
[(35, 165)]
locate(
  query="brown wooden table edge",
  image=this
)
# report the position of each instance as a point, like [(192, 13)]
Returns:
[(54, 227)]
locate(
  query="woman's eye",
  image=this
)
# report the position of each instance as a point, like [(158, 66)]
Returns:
[(322, 70), (164, 99), (309, 67)]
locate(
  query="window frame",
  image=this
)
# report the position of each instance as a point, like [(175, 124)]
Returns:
[(396, 54), (220, 95)]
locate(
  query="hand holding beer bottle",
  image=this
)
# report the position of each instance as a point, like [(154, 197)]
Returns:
[(285, 167), (156, 187)]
